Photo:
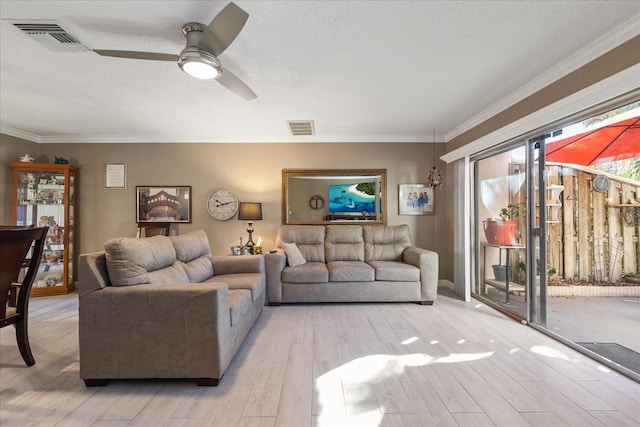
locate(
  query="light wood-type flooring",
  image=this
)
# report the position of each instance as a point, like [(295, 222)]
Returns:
[(451, 364)]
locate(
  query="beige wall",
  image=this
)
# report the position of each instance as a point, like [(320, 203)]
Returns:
[(11, 149), (252, 171)]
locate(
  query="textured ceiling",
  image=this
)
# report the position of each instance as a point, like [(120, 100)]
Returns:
[(362, 70)]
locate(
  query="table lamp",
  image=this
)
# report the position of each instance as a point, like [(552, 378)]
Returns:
[(249, 211)]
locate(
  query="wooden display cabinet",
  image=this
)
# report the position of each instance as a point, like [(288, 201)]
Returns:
[(45, 194)]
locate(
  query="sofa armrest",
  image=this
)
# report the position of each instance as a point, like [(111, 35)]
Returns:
[(155, 331), (237, 264), (427, 262), (275, 262), (92, 272)]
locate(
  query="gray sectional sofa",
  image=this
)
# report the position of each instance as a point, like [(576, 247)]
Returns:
[(349, 263), (163, 307)]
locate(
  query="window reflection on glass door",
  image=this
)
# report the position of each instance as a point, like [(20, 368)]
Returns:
[(500, 206)]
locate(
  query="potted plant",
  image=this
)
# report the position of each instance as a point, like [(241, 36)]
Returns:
[(502, 231), (501, 272), (511, 211)]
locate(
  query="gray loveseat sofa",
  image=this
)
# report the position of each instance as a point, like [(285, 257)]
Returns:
[(163, 307), (350, 263)]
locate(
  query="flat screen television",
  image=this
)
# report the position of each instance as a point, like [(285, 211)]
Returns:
[(352, 198)]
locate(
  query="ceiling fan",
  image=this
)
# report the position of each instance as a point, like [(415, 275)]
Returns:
[(204, 44)]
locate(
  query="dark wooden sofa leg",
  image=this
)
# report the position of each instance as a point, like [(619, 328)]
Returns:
[(426, 303), (95, 383), (208, 382)]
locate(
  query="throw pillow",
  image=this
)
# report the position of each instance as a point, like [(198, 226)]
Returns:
[(294, 256)]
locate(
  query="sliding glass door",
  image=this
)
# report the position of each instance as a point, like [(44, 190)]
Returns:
[(556, 232), (500, 181), (510, 217)]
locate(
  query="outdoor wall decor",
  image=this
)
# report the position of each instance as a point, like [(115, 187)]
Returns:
[(164, 204), (416, 199)]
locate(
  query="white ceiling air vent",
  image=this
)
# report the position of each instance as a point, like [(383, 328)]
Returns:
[(301, 127), (51, 35)]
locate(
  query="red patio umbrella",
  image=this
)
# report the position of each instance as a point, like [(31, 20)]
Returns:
[(617, 141)]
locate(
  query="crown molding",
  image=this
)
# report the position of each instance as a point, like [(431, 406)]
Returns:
[(141, 139), (599, 47), (7, 130)]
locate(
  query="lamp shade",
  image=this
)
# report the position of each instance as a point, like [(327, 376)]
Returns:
[(250, 211)]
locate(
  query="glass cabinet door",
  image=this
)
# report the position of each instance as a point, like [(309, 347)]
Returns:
[(71, 253), (45, 196)]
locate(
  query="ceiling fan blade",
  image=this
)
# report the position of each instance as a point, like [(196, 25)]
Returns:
[(223, 29), (129, 54), (235, 85)]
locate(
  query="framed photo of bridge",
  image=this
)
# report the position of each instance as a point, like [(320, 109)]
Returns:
[(163, 203)]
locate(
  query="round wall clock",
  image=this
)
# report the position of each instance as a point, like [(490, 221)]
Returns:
[(222, 204), (316, 202), (601, 183)]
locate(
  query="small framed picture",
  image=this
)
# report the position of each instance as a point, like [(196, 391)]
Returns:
[(416, 199), (163, 203), (115, 175)]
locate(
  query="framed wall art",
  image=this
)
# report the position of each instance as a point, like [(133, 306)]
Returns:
[(416, 199), (163, 203), (115, 175)]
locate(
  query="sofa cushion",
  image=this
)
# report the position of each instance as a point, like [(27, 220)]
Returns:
[(254, 282), (169, 275), (350, 271), (311, 272), (192, 249), (132, 261), (294, 256), (385, 243), (344, 243), (308, 238), (239, 304), (395, 271)]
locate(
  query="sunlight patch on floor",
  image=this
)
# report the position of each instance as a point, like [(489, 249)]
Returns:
[(352, 385), (544, 350)]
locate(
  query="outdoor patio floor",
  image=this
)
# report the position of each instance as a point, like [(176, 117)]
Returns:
[(585, 319), (599, 319)]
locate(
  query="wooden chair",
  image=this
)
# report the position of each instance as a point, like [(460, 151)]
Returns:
[(15, 244), (148, 229)]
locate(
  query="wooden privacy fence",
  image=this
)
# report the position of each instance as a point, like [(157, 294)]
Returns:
[(586, 235)]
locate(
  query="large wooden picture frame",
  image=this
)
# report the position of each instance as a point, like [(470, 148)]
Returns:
[(348, 196)]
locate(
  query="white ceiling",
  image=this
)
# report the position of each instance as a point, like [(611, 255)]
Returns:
[(387, 71)]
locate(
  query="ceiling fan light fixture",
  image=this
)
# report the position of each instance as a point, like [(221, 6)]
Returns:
[(199, 64)]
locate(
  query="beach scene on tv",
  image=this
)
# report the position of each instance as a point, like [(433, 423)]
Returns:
[(352, 198)]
